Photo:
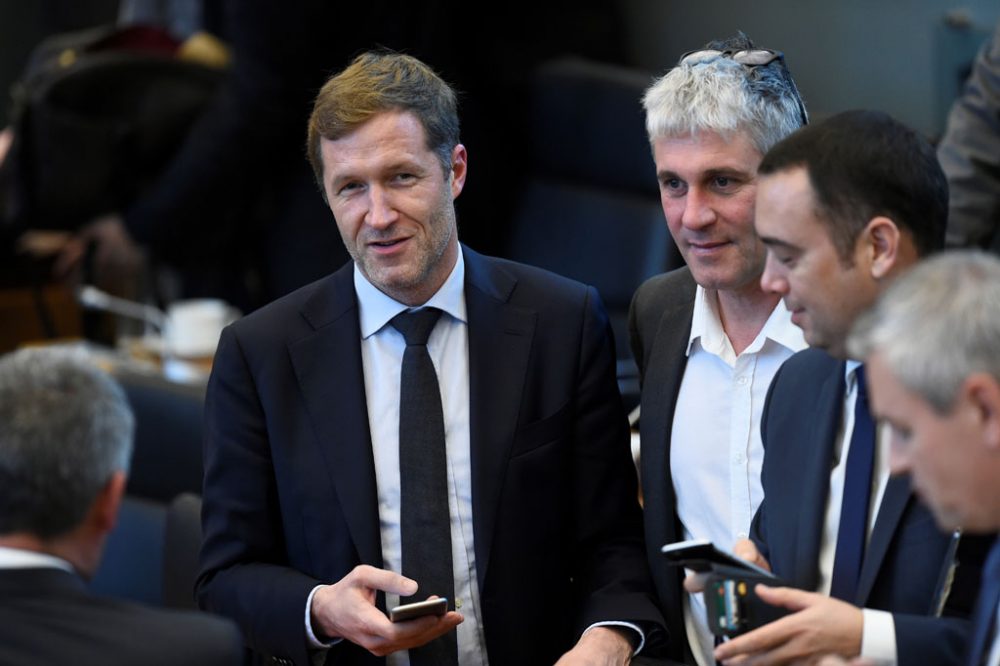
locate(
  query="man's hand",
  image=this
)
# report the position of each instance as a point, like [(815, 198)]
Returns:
[(744, 549), (347, 610), (822, 625), (117, 258), (600, 646)]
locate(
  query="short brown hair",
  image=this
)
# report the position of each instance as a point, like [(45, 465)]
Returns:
[(377, 82)]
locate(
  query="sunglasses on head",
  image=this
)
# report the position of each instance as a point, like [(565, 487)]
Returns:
[(749, 58)]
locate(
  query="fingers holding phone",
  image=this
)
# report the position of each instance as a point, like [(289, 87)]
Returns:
[(347, 610), (747, 550)]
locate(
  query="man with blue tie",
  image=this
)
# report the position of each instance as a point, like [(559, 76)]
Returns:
[(932, 346), (844, 207)]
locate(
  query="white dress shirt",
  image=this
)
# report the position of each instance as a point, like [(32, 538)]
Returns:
[(878, 641), (382, 348), (994, 653), (715, 446), (16, 558)]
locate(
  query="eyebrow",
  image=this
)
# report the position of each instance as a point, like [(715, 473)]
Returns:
[(710, 173), (780, 244)]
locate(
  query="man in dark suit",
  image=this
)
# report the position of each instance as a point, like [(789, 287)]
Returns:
[(65, 443), (844, 207), (935, 381), (707, 338), (310, 474)]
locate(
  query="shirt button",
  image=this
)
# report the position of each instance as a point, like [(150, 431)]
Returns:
[(458, 604), (742, 381), (741, 535), (738, 458)]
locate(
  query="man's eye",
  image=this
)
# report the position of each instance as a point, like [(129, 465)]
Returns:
[(673, 186), (724, 183), (347, 188)]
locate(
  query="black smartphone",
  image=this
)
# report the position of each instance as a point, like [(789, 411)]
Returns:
[(731, 604), (437, 607), (702, 556)]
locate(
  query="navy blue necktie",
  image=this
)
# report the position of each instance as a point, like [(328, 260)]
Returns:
[(424, 520), (857, 496), (984, 620)]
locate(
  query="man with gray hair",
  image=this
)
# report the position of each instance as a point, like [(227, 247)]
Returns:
[(706, 337), (65, 442), (936, 382)]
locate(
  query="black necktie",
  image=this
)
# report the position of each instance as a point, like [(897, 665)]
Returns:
[(857, 495), (425, 523)]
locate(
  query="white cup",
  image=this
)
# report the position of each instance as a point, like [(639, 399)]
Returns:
[(193, 326)]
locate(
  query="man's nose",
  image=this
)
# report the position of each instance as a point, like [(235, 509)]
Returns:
[(698, 212), (381, 213), (773, 279)]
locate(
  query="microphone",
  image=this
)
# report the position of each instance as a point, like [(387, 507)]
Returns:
[(92, 297)]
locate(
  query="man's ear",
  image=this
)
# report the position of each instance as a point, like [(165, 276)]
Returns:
[(459, 169), (104, 512), (981, 391), (882, 240)]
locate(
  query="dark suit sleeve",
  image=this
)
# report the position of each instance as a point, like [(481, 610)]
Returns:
[(930, 640), (927, 640), (635, 333), (611, 567), (758, 526), (243, 570)]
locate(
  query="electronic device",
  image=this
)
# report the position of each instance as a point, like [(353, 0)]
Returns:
[(437, 607), (701, 556)]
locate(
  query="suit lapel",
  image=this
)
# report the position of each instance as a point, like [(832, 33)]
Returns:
[(500, 338), (663, 372), (816, 466), (331, 377), (890, 511)]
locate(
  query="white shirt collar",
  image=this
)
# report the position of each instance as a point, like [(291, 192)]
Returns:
[(376, 309), (16, 558), (706, 328), (851, 375)]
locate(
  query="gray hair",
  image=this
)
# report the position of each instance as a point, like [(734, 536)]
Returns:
[(721, 95), (65, 428), (936, 325)]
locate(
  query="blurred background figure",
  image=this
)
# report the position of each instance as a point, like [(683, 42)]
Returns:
[(66, 435), (970, 154)]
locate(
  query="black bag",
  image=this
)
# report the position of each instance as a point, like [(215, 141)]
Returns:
[(97, 115)]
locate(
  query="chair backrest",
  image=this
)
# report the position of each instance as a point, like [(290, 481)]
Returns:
[(132, 565), (182, 544), (590, 208), (167, 458)]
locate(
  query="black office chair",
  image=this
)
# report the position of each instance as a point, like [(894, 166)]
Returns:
[(590, 208), (168, 418), (133, 555), (181, 546)]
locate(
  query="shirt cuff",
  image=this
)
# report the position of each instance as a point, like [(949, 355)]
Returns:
[(627, 625), (878, 637), (310, 634)]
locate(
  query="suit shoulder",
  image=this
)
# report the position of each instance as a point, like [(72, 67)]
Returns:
[(531, 283), (806, 368), (665, 290), (114, 632), (658, 294), (189, 636), (300, 312)]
